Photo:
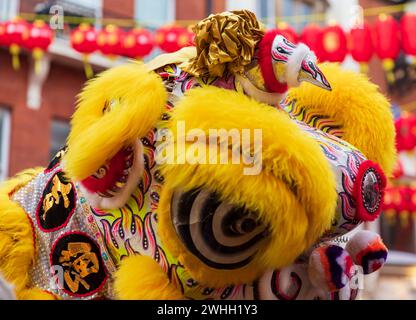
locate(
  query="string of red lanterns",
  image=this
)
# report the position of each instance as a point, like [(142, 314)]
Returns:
[(385, 39), (400, 201)]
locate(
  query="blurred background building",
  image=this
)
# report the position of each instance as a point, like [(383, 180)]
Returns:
[(35, 107)]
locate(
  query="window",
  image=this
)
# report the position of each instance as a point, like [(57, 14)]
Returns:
[(303, 9), (8, 9), (155, 13), (242, 4), (266, 12), (4, 143), (296, 8), (287, 8), (85, 8), (59, 133)]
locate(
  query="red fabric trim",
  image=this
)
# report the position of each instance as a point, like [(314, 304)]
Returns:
[(361, 212), (265, 62)]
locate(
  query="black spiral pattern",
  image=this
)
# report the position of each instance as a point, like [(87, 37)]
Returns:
[(221, 235)]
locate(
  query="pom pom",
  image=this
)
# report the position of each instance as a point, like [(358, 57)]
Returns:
[(330, 267), (367, 250)]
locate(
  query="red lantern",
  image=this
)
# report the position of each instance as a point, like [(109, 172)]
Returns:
[(16, 34), (110, 40), (334, 43), (312, 36), (406, 132), (389, 195), (412, 205), (173, 38), (40, 37), (138, 43), (361, 45), (408, 29), (392, 203), (288, 32), (398, 170), (2, 33), (84, 40), (387, 43), (405, 205)]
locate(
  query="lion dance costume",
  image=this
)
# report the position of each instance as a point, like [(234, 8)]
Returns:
[(108, 219)]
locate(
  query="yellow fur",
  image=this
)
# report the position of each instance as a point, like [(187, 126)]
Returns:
[(291, 160), (137, 99), (36, 294), (141, 278), (17, 248), (362, 110)]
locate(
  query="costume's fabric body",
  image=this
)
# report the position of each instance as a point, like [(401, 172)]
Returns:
[(178, 216)]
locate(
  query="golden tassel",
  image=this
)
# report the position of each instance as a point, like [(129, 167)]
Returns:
[(14, 51), (89, 73)]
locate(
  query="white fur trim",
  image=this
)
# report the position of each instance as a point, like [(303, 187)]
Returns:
[(294, 64)]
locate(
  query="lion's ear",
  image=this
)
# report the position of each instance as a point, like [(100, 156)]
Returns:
[(355, 111), (114, 110)]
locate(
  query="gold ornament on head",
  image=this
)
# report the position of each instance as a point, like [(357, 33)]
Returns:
[(225, 42)]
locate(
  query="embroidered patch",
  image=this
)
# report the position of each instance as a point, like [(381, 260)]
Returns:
[(57, 204), (80, 258)]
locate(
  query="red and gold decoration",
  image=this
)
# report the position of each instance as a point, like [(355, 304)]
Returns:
[(173, 38), (84, 40), (334, 43), (408, 32), (40, 37), (387, 43), (406, 132), (288, 32), (400, 202), (138, 43), (2, 34), (110, 40), (312, 37), (15, 36), (361, 45), (385, 38), (400, 195)]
